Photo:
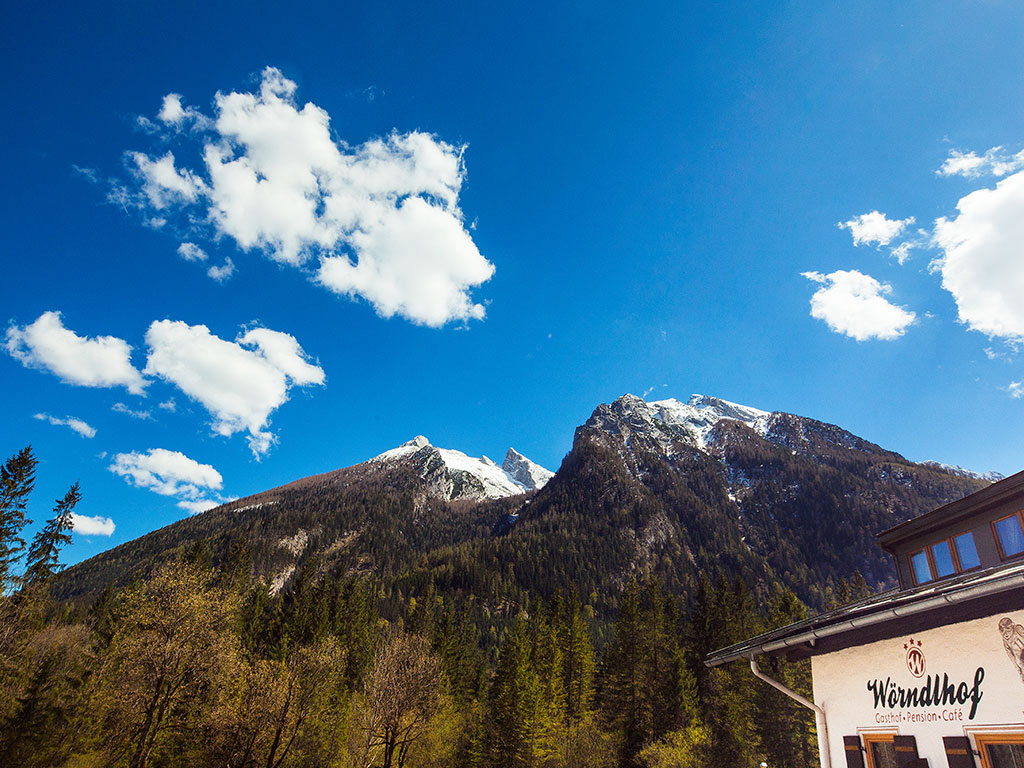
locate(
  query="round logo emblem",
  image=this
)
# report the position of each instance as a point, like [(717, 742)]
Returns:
[(915, 661)]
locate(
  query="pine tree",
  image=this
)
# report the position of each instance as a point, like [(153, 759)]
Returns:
[(17, 479), (513, 704), (44, 554)]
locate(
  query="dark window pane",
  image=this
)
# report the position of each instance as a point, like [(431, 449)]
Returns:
[(922, 572), (943, 559), (966, 551), (1005, 755), (883, 754), (1010, 536)]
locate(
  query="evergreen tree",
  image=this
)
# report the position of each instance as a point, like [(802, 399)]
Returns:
[(514, 701), (44, 554), (17, 479)]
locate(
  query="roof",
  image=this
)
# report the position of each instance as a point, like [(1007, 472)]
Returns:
[(890, 614), (989, 496)]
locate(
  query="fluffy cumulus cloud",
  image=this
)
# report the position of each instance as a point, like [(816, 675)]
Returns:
[(171, 473), (239, 382), (875, 228), (994, 162), (70, 422), (92, 526), (381, 219), (855, 304), (982, 259), (101, 361)]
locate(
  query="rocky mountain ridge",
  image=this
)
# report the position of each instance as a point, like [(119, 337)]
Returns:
[(665, 487)]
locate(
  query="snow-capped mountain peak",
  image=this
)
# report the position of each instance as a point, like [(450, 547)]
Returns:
[(700, 414), (454, 475), (525, 472), (668, 425)]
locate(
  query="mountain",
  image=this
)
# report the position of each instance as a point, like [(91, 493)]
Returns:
[(677, 489), (531, 476), (682, 489), (451, 474)]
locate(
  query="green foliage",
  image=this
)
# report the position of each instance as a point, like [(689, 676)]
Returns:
[(17, 479), (44, 554)]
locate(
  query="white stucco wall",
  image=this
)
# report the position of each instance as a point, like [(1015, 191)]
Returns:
[(841, 686)]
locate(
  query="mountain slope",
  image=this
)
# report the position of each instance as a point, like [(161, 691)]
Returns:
[(673, 488)]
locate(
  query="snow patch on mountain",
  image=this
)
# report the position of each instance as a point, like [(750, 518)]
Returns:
[(521, 470), (454, 475), (668, 423), (958, 470), (700, 414)]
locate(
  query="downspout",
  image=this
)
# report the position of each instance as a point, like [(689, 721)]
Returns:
[(824, 756)]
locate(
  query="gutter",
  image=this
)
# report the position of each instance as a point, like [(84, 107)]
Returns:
[(811, 636), (824, 756)]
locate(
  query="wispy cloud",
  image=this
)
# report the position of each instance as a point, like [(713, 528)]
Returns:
[(70, 422), (140, 415), (994, 162), (223, 272)]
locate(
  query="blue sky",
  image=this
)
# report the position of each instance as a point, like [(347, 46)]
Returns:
[(523, 212)]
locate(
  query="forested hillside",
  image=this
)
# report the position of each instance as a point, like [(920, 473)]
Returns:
[(360, 618)]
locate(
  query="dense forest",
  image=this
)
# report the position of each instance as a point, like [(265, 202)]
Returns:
[(196, 663)]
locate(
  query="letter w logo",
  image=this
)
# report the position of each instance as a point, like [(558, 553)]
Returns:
[(915, 662)]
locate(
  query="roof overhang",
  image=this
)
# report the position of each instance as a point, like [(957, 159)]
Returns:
[(889, 614)]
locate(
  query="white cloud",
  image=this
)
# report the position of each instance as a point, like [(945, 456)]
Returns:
[(122, 408), (71, 422), (163, 184), (1016, 389), (169, 405), (902, 251), (191, 252), (199, 506), (854, 304), (240, 383), (103, 361), (995, 162), (982, 262), (222, 273), (169, 473), (874, 228), (92, 526), (392, 275), (382, 217)]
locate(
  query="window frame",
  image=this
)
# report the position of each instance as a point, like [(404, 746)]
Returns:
[(982, 741), (876, 736), (950, 542), (995, 535)]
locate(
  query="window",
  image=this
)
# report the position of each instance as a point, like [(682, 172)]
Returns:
[(1009, 535), (942, 558), (966, 552), (880, 750), (1003, 750), (946, 557), (922, 570)]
